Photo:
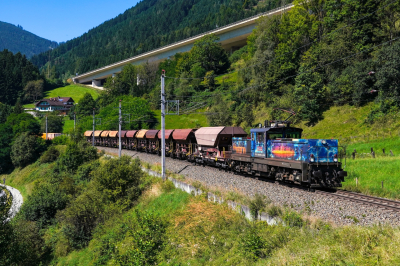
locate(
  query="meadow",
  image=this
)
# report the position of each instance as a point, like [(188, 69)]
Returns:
[(75, 91)]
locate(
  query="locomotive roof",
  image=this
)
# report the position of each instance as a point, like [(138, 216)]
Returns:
[(208, 136), (168, 133), (275, 129), (152, 134)]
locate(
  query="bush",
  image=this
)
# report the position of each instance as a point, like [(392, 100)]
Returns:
[(43, 204), (50, 155), (60, 140), (253, 244), (76, 155), (81, 218), (274, 211), (257, 205), (84, 172), (26, 149), (293, 219), (119, 179), (167, 186)]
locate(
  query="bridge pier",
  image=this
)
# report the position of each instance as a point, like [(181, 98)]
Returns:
[(96, 83)]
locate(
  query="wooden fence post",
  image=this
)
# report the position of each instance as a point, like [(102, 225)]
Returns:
[(383, 152), (354, 154), (382, 184), (391, 153), (356, 181), (372, 152)]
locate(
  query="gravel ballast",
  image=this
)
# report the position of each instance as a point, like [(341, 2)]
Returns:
[(340, 212)]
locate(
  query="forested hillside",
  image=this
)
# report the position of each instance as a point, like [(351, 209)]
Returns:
[(16, 39), (148, 25), (15, 74)]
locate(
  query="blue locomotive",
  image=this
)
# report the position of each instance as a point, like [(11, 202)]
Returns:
[(277, 151)]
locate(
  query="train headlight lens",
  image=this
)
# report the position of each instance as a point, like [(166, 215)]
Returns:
[(312, 158), (335, 158)]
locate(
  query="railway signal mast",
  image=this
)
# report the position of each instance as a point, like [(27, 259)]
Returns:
[(163, 125), (119, 130)]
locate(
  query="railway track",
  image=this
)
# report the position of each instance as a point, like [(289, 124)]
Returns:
[(391, 205)]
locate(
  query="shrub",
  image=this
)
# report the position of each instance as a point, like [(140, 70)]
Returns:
[(84, 172), (50, 155), (252, 244), (257, 205), (60, 140), (81, 218), (293, 219), (119, 179), (274, 211), (167, 186), (26, 149), (76, 155), (43, 204)]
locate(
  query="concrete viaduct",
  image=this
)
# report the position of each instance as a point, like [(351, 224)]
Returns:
[(232, 37)]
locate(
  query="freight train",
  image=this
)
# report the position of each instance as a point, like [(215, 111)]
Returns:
[(274, 151)]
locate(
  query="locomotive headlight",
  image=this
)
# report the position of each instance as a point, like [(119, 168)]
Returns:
[(324, 142), (335, 158), (312, 158)]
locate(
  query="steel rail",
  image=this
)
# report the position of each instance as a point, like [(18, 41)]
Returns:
[(382, 203)]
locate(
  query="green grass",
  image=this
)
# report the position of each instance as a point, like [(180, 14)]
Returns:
[(371, 172), (348, 124), (182, 121), (75, 91), (68, 125)]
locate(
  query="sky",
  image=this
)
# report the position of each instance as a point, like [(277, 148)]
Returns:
[(61, 21)]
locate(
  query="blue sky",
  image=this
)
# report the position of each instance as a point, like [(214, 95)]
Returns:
[(58, 20)]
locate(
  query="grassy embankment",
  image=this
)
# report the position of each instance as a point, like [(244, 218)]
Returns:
[(182, 121), (198, 232)]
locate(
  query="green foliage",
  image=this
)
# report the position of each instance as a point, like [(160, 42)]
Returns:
[(50, 155), (44, 202), (6, 137), (85, 171), (209, 55), (292, 219), (23, 123), (257, 205), (167, 186), (85, 106), (253, 244), (118, 180), (138, 108), (60, 140), (26, 149), (76, 155), (55, 124), (33, 90), (15, 72)]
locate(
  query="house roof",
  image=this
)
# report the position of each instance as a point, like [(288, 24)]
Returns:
[(57, 101)]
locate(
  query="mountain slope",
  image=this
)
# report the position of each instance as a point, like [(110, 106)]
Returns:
[(15, 39), (148, 25)]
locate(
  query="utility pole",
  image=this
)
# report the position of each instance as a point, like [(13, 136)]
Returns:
[(74, 120), (94, 124), (163, 125), (119, 129), (46, 128)]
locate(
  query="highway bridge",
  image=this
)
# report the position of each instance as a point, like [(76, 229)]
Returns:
[(231, 37)]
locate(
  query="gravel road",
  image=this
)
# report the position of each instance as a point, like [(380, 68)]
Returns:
[(16, 203), (340, 212)]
